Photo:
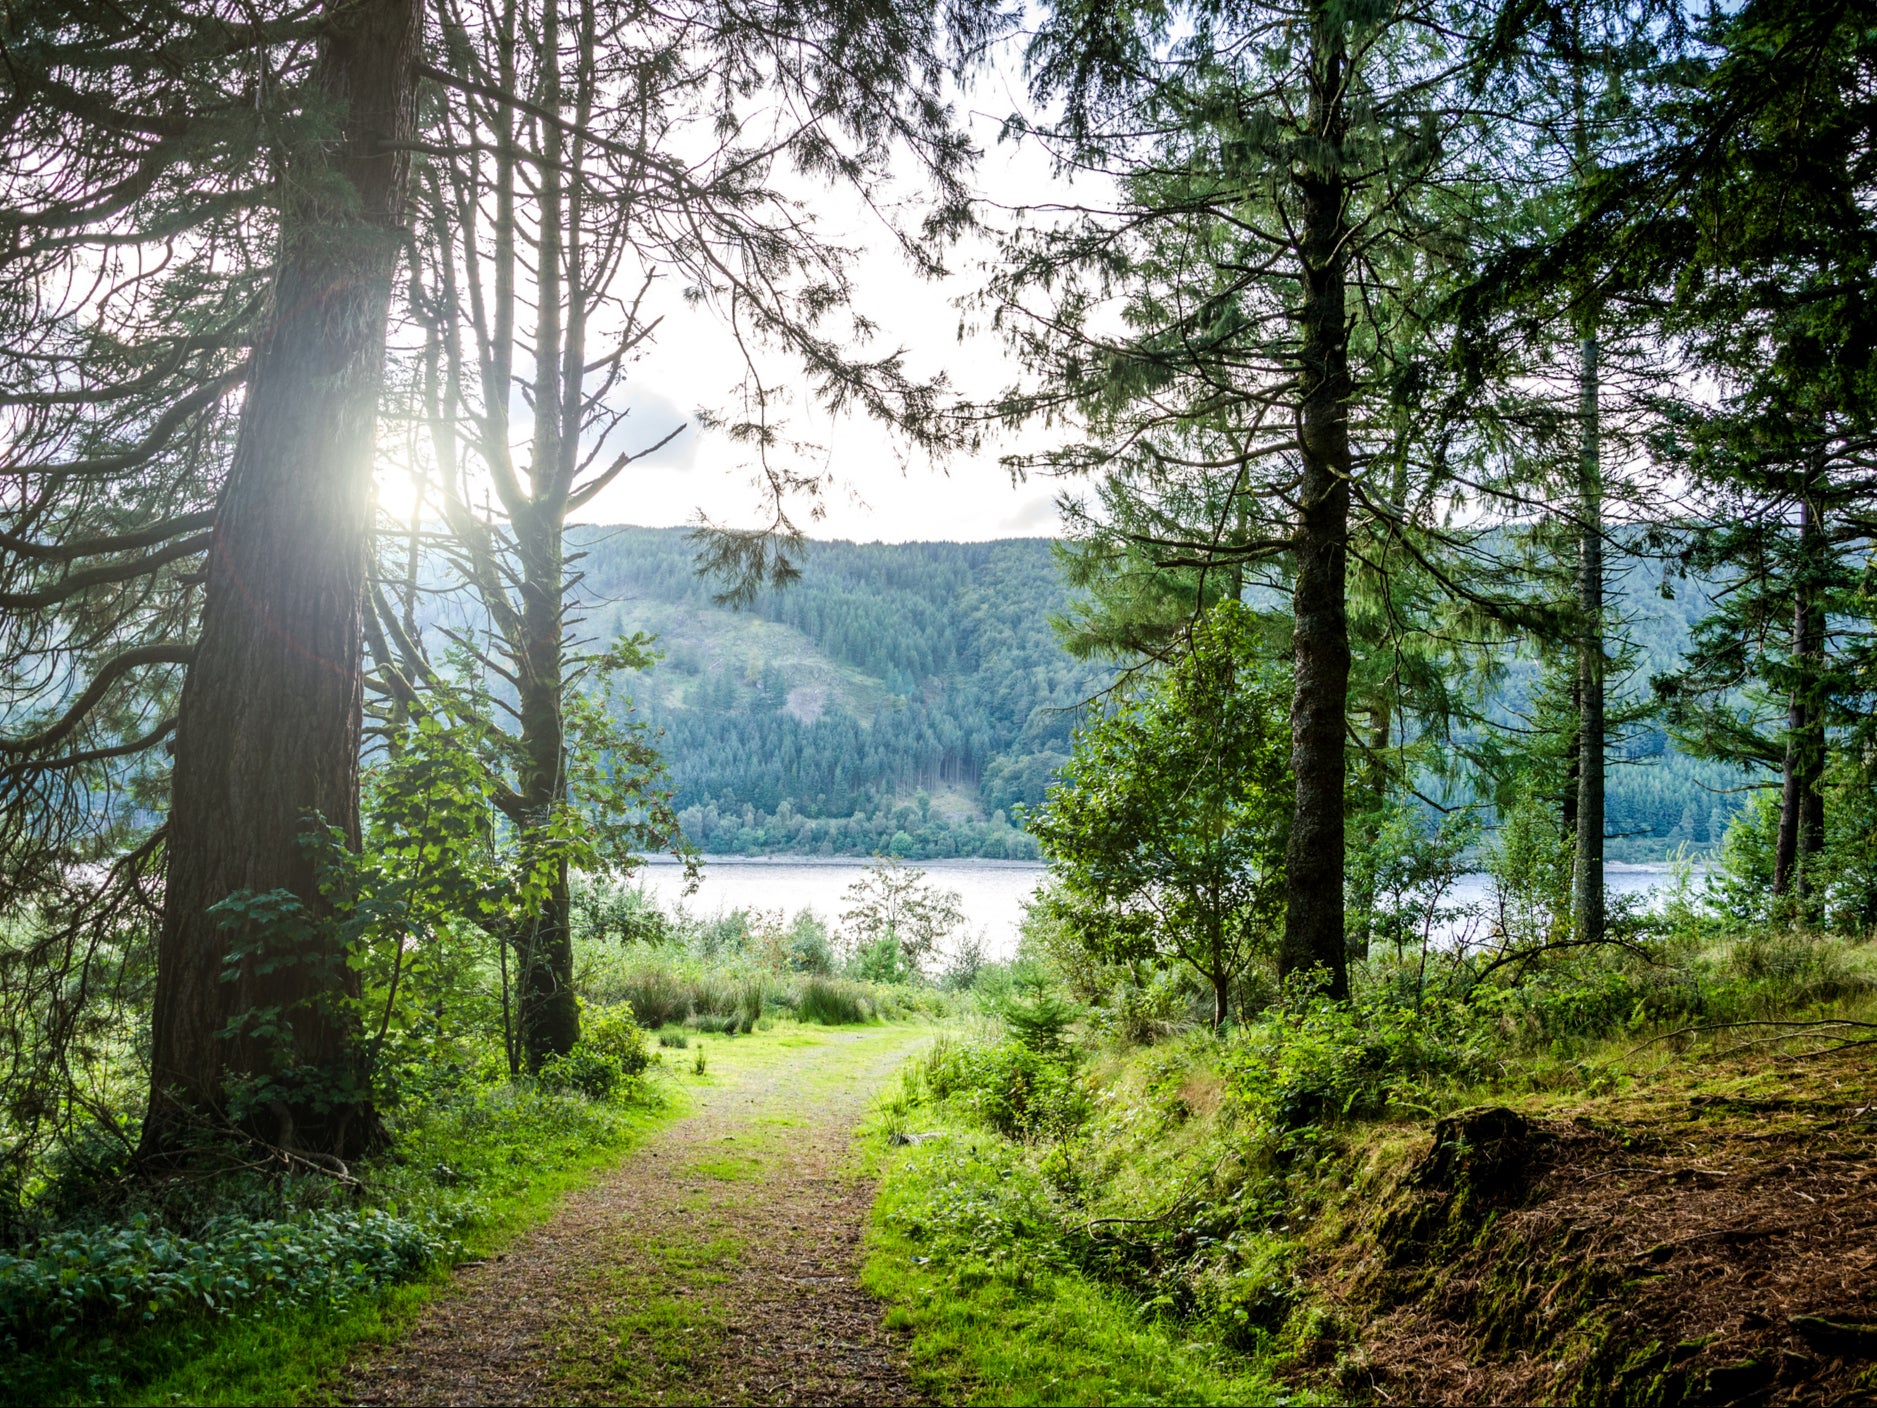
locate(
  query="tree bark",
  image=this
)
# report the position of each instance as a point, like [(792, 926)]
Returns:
[(1802, 797), (550, 1016), (1381, 731), (1313, 918), (1587, 872), (1573, 758), (268, 733)]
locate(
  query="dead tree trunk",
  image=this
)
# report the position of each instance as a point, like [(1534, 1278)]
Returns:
[(268, 734)]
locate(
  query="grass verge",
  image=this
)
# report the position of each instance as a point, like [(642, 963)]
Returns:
[(492, 1166), (960, 1253)]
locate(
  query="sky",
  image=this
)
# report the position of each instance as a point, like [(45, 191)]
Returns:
[(878, 493)]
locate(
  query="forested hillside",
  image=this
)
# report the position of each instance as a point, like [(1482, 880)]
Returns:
[(901, 698), (907, 698)]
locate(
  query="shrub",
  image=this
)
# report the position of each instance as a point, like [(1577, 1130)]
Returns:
[(1036, 1016), (1020, 1092), (1170, 1004), (612, 1053), (1328, 1061), (613, 1031), (140, 1272), (881, 961), (809, 946)]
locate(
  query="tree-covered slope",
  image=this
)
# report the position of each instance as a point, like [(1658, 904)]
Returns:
[(898, 697), (909, 696)]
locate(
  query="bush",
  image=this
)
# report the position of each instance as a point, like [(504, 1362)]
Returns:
[(612, 1053), (881, 961), (809, 946), (1020, 1092), (1169, 1005), (614, 1031), (1326, 1061), (138, 1273), (1035, 1015)]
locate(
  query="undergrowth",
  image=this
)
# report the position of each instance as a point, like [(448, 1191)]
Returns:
[(237, 1285), (246, 1271), (1168, 1188)]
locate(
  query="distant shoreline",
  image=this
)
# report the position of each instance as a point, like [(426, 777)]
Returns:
[(1701, 863), (955, 862)]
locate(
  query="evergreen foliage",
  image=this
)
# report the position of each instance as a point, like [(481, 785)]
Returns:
[(915, 701), (812, 721)]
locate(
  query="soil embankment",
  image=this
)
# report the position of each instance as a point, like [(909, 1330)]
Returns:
[(1704, 1240)]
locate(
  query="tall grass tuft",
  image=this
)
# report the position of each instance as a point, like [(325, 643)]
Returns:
[(833, 1003)]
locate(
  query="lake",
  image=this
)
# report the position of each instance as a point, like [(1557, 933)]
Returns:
[(991, 892)]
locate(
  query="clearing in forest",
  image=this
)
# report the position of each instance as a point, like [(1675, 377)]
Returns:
[(714, 1264)]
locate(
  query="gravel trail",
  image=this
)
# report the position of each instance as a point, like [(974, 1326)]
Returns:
[(714, 1264)]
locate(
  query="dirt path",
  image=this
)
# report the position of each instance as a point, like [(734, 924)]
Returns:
[(715, 1264)]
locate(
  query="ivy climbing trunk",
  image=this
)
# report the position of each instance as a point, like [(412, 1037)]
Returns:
[(268, 732), (1313, 919)]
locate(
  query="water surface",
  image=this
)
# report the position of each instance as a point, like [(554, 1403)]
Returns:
[(991, 892)]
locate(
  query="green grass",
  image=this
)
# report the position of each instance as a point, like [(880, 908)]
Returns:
[(509, 1161), (514, 1171), (994, 1328)]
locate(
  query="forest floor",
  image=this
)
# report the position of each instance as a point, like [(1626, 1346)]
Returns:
[(1707, 1235), (717, 1263)]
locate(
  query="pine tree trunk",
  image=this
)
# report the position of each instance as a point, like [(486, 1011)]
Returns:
[(1573, 760), (1791, 790), (550, 1017), (268, 734), (1587, 872), (1802, 797), (1380, 733), (1313, 919)]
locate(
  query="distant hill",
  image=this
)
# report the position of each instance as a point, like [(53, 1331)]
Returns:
[(906, 698), (899, 698)]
